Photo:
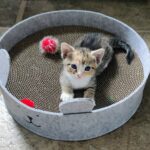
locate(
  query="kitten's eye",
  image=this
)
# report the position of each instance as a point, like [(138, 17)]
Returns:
[(73, 66), (87, 68)]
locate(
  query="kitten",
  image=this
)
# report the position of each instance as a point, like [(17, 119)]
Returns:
[(86, 59)]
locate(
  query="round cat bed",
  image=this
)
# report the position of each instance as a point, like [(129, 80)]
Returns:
[(28, 74)]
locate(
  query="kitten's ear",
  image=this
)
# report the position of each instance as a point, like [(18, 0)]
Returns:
[(65, 49), (99, 53)]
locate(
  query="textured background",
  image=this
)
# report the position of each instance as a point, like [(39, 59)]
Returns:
[(135, 134)]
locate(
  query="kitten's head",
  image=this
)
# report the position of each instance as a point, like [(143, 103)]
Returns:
[(80, 62)]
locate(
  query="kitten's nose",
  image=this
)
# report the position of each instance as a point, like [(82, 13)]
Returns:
[(79, 75)]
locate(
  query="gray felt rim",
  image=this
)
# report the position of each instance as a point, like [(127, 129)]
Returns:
[(80, 126)]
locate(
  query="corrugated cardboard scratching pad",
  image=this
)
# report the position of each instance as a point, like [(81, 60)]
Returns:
[(35, 76)]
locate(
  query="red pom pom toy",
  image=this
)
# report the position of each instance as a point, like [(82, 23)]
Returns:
[(49, 44), (28, 102)]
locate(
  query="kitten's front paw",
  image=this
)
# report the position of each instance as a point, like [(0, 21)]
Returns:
[(92, 100), (66, 96)]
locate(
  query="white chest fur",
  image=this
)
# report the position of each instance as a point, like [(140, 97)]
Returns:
[(79, 83)]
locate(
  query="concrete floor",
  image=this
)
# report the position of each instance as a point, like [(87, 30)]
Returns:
[(135, 134)]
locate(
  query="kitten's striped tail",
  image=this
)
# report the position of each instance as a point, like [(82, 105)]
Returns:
[(117, 44)]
